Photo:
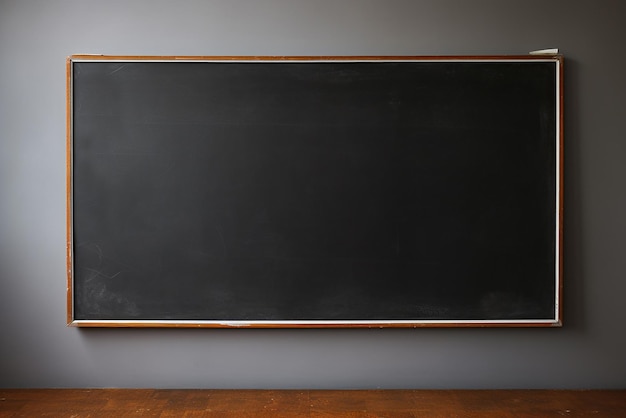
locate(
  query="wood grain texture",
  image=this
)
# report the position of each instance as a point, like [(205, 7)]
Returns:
[(311, 403)]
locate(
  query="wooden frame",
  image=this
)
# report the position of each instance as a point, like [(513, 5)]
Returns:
[(314, 323)]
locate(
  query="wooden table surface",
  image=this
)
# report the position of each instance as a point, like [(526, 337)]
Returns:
[(310, 403)]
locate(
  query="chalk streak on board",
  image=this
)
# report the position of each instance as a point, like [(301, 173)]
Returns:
[(121, 67)]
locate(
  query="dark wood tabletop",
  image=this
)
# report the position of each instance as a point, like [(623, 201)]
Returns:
[(311, 403)]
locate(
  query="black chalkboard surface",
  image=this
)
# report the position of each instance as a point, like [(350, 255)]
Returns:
[(314, 192)]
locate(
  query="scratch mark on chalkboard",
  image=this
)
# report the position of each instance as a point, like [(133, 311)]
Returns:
[(96, 249), (217, 228), (93, 247), (99, 252), (117, 69), (130, 154), (98, 273), (99, 299)]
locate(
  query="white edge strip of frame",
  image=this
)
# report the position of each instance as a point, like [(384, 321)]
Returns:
[(558, 226), (314, 323)]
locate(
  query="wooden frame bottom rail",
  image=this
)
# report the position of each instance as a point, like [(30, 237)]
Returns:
[(310, 403)]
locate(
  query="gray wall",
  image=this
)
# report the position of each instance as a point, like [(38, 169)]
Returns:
[(38, 350)]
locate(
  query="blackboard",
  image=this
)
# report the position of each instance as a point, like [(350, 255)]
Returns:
[(314, 191)]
